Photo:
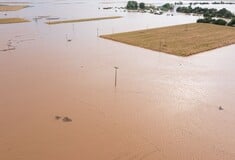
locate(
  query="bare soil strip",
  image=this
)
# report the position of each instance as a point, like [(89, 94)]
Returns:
[(13, 20), (82, 20), (4, 8)]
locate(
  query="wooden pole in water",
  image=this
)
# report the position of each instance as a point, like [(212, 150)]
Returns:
[(116, 68), (160, 45)]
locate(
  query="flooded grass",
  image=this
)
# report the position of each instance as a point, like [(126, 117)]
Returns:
[(82, 20), (180, 40), (13, 20), (12, 7)]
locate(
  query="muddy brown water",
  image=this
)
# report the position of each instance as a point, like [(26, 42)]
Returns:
[(163, 108)]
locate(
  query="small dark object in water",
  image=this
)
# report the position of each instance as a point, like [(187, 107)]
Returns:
[(68, 39), (9, 49), (107, 7), (52, 18), (57, 117), (221, 108), (67, 119)]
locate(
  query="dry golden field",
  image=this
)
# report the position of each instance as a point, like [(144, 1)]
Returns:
[(12, 20), (180, 40), (12, 7), (82, 20)]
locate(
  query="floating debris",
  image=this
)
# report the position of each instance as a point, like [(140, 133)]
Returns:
[(221, 108), (25, 40), (68, 39), (52, 18), (107, 7), (67, 119), (12, 43), (40, 17), (57, 117), (43, 16), (10, 46), (9, 49)]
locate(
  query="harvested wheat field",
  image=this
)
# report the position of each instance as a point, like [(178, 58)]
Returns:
[(180, 40), (13, 20), (82, 20), (12, 7)]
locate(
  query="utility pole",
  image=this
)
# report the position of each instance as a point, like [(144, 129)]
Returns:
[(160, 45), (116, 68)]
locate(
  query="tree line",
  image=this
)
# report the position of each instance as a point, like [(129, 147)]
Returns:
[(207, 12), (211, 15)]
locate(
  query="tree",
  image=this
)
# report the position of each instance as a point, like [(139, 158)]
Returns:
[(224, 13), (132, 5), (220, 22), (207, 12), (167, 7), (205, 20), (142, 5), (212, 21), (232, 22)]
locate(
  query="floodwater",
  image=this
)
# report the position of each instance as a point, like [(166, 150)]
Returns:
[(163, 108)]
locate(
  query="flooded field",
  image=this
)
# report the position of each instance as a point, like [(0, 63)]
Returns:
[(58, 99), (188, 39)]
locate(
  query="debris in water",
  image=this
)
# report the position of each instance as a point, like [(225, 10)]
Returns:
[(9, 49), (52, 18), (24, 40), (221, 108), (57, 117), (68, 39), (67, 119)]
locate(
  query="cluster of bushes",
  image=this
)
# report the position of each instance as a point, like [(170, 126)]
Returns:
[(222, 2), (204, 3), (232, 22), (212, 21), (217, 21), (178, 3), (212, 12), (201, 3), (224, 13), (167, 7), (133, 5)]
